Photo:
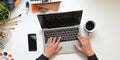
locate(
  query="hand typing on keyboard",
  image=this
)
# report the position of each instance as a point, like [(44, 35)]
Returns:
[(52, 47), (85, 46)]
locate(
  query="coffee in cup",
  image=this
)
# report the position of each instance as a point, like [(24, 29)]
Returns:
[(89, 26)]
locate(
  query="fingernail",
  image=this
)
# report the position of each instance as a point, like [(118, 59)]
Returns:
[(61, 46), (59, 37), (51, 37), (54, 37)]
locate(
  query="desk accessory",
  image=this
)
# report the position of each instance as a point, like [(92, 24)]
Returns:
[(32, 42), (4, 38), (10, 4), (44, 1), (27, 7), (89, 26), (10, 23), (6, 56), (4, 14), (44, 7), (16, 17), (16, 3)]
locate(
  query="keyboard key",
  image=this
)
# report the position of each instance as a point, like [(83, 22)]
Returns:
[(68, 34)]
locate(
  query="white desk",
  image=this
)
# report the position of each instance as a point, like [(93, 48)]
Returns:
[(105, 42)]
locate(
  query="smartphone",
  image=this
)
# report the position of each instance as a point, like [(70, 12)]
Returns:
[(32, 42)]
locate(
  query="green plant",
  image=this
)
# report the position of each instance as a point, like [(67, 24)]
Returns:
[(4, 14)]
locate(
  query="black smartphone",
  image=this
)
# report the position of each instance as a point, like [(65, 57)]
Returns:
[(32, 42)]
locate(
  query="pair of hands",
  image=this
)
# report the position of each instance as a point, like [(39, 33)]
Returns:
[(52, 47)]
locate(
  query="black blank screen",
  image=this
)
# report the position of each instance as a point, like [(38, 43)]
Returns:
[(32, 42), (60, 19)]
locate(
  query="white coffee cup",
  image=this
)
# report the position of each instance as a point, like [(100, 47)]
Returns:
[(89, 26)]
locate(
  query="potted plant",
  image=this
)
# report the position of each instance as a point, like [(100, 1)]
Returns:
[(6, 22), (4, 18), (4, 15)]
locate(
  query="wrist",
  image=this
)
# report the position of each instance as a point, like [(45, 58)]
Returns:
[(90, 53), (43, 57), (46, 55), (93, 57)]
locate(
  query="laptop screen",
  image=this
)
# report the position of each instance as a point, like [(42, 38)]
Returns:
[(61, 19)]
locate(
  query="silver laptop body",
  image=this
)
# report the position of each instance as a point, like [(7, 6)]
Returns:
[(64, 25)]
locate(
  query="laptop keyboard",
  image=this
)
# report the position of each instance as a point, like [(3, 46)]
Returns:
[(67, 34)]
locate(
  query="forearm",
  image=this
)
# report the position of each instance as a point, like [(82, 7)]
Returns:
[(42, 57), (93, 57)]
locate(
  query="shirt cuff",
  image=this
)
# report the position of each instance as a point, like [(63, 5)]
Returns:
[(93, 57), (42, 57)]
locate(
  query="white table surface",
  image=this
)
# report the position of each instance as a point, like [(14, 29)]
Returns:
[(105, 39)]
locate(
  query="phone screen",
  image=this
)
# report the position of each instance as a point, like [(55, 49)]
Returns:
[(32, 45)]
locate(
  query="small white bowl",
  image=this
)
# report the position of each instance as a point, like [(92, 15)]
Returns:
[(5, 38)]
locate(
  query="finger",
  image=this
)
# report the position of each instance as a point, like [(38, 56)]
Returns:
[(58, 49), (58, 41), (49, 40), (78, 47), (88, 39), (54, 40), (80, 39), (80, 36)]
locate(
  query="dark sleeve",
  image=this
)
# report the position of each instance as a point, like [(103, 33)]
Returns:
[(93, 57), (42, 57)]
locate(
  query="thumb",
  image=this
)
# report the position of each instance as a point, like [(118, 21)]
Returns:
[(78, 47), (58, 49)]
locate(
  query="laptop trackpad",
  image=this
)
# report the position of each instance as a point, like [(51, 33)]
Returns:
[(68, 47)]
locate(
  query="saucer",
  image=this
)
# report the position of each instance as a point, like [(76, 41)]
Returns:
[(5, 38)]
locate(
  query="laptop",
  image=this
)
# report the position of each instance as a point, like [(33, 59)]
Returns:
[(61, 24)]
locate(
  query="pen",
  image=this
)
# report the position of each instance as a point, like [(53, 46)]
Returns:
[(27, 7), (13, 22), (16, 17), (10, 25), (11, 28)]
